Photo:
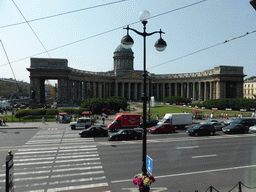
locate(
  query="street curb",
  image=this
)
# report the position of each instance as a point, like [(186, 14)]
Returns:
[(19, 127)]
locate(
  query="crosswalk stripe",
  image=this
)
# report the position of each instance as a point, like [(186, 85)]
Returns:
[(68, 163), (78, 187)]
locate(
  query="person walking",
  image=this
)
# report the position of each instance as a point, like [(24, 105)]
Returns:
[(3, 120), (43, 120), (157, 116), (103, 119)]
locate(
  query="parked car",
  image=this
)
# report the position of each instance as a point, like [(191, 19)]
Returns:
[(244, 121), (236, 128), (209, 121), (228, 121), (149, 123), (252, 128), (81, 122), (163, 128), (201, 129), (125, 134), (94, 131), (23, 107), (217, 125)]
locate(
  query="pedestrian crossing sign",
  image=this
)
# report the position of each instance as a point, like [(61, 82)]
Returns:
[(149, 164)]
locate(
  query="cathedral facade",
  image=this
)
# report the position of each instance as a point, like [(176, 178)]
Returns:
[(123, 80)]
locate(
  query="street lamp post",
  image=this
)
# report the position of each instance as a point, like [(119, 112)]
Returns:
[(253, 3), (160, 45)]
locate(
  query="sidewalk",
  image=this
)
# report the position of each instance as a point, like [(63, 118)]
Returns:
[(39, 125)]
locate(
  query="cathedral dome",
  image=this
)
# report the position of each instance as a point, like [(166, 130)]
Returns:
[(123, 58), (120, 48)]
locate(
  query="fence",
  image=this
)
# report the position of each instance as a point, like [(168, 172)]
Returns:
[(239, 187)]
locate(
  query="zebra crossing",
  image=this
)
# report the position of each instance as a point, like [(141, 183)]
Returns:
[(58, 160)]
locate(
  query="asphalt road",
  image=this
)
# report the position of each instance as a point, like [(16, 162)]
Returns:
[(56, 159)]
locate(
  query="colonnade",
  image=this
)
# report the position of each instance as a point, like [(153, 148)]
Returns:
[(201, 91)]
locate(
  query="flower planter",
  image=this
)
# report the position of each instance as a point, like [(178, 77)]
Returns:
[(144, 189), (143, 181)]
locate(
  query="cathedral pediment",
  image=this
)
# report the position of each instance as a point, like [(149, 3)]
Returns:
[(131, 76)]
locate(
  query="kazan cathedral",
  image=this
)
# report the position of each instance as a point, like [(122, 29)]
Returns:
[(74, 84)]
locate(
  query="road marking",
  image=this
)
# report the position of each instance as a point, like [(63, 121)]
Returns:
[(77, 187), (188, 147), (191, 173), (203, 156)]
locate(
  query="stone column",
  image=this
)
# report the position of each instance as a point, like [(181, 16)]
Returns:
[(170, 89), (157, 91), (63, 90), (194, 91), (188, 90), (176, 89), (205, 91), (223, 93), (34, 82), (109, 89), (211, 94), (218, 90), (94, 90), (182, 89), (199, 91), (239, 90), (100, 89)]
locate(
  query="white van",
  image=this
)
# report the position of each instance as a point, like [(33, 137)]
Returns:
[(178, 120)]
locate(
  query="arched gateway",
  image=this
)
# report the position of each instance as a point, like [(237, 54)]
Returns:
[(73, 84)]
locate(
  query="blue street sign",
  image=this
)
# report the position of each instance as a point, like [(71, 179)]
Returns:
[(149, 164)]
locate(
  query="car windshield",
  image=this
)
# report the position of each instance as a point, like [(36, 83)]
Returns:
[(158, 126), (236, 121), (121, 131), (231, 126), (197, 126), (163, 120)]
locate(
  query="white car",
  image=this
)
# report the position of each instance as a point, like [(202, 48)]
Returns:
[(252, 128), (81, 122), (209, 121)]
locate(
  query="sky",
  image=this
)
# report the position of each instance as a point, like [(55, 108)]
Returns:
[(88, 38)]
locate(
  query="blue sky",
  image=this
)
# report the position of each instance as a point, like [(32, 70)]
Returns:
[(187, 30)]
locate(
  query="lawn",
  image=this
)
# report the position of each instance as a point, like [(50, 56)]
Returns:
[(162, 109)]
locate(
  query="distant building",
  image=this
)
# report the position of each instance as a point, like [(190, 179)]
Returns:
[(9, 88), (250, 89), (123, 80)]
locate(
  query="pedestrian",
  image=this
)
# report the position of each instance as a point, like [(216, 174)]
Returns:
[(3, 121), (103, 119), (157, 116), (43, 120)]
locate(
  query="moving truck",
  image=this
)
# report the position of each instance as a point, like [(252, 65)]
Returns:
[(124, 120), (178, 120)]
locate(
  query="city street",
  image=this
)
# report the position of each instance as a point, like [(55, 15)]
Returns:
[(54, 158)]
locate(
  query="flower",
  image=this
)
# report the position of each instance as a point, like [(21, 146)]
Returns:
[(143, 180)]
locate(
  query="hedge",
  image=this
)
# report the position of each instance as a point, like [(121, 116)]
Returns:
[(177, 99), (48, 112), (235, 104)]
